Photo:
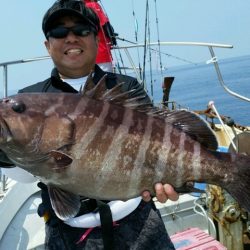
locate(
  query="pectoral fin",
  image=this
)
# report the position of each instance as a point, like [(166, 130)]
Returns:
[(65, 204), (61, 159)]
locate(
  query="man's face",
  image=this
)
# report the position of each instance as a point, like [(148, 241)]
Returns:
[(74, 56)]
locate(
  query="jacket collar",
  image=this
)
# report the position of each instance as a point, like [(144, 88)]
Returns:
[(58, 83)]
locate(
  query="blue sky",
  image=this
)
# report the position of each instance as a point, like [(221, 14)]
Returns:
[(218, 21)]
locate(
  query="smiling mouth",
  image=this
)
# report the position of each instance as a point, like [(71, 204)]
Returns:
[(73, 52)]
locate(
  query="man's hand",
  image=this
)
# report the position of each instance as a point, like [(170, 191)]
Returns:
[(163, 193)]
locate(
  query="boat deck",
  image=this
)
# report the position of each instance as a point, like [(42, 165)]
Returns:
[(21, 227)]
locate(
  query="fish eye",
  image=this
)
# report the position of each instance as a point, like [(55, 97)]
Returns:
[(18, 107)]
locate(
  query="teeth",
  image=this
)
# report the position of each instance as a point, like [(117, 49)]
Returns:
[(74, 51)]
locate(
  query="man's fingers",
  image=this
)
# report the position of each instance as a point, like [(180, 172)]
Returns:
[(146, 196), (160, 193), (170, 192)]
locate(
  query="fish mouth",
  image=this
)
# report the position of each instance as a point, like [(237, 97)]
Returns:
[(5, 134)]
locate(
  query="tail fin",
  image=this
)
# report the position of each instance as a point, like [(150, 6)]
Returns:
[(239, 186)]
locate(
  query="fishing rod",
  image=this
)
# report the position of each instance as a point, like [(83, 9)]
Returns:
[(158, 37), (145, 44), (136, 36)]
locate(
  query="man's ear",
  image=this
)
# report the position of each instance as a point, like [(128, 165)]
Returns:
[(47, 45)]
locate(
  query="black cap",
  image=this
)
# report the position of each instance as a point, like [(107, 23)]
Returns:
[(70, 8)]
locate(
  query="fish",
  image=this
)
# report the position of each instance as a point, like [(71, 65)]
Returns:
[(106, 144)]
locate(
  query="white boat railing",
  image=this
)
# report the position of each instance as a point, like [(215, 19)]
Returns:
[(213, 59), (218, 45), (3, 180), (5, 69), (212, 106), (210, 46), (216, 65)]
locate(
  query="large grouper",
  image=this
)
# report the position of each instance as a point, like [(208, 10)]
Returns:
[(106, 145)]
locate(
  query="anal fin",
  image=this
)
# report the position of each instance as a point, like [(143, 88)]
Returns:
[(65, 204)]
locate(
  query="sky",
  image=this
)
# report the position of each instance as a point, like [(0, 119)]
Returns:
[(215, 21)]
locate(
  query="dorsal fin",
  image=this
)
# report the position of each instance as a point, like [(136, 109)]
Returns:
[(92, 90), (184, 120), (100, 91), (193, 125), (89, 85), (117, 89)]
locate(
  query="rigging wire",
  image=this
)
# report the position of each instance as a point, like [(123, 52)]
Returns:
[(179, 58), (119, 57), (118, 66), (162, 53), (158, 37), (145, 45), (150, 59), (136, 36)]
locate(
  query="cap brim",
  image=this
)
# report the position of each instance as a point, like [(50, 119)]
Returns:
[(60, 13)]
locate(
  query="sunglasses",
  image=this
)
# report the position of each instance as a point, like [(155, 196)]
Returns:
[(62, 32)]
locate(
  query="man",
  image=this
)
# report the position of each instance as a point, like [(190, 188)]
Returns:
[(71, 40)]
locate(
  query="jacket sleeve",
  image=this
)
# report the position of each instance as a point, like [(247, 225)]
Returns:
[(5, 162), (132, 83)]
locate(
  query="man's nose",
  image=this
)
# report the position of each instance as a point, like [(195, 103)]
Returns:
[(71, 37)]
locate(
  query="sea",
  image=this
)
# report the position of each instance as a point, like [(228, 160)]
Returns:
[(196, 85)]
